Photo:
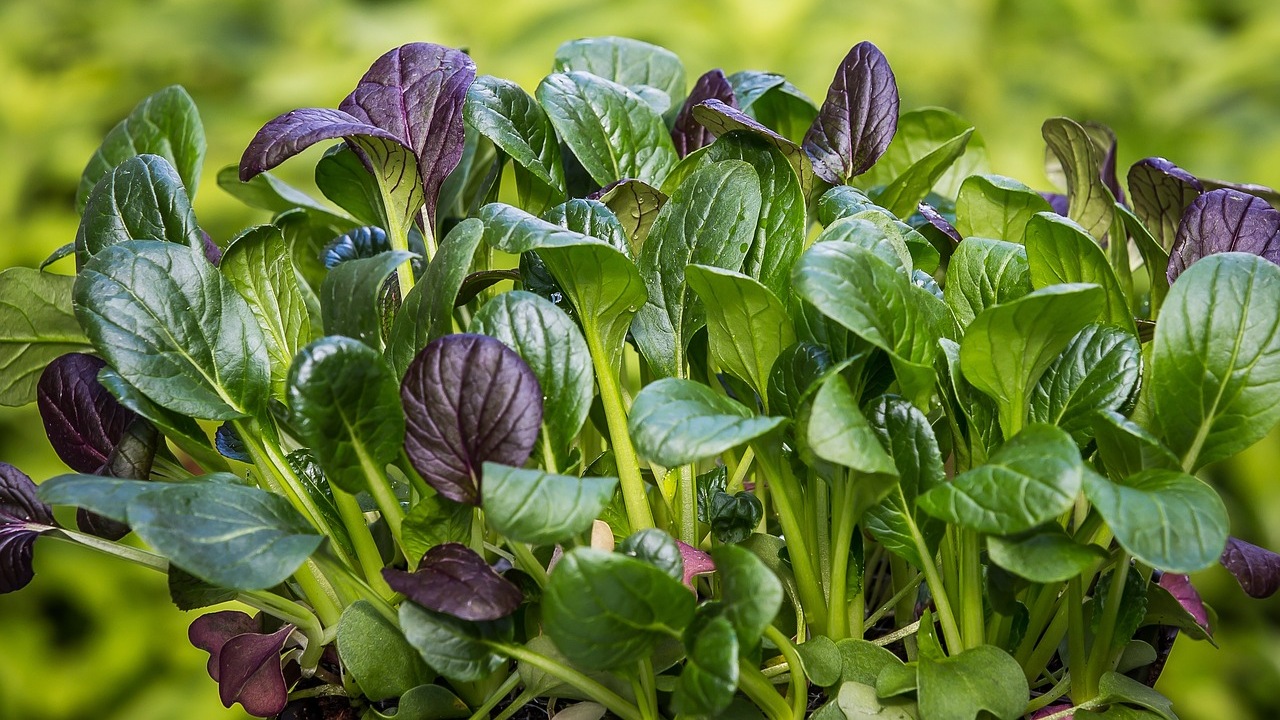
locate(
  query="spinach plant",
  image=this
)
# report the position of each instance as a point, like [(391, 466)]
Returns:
[(685, 402)]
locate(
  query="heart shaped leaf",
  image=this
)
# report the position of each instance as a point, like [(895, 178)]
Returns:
[(211, 631), (454, 580), (468, 399), (674, 422), (250, 672), (857, 120)]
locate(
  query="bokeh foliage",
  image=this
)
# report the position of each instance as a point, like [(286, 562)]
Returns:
[(1197, 82)]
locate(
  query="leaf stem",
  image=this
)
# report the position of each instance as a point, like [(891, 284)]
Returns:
[(1076, 660), (643, 685), (950, 631), (838, 623), (527, 562), (899, 595), (757, 687), (1101, 657), (482, 712), (295, 614), (778, 475), (971, 609), (799, 684), (592, 689), (134, 555), (380, 489), (634, 495), (361, 539)]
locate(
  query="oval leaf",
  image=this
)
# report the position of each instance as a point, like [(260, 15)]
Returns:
[(37, 326), (454, 580), (1256, 569), (997, 207), (456, 649), (351, 296), (983, 273), (532, 506), (1225, 221), (675, 422), (83, 421), (747, 325), (633, 63), (140, 199), (1098, 371), (1059, 251), (376, 654), (857, 120), (503, 112), (468, 399), (1167, 519)]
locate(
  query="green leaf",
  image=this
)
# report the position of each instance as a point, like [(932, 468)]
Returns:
[(1216, 360), (604, 610), (924, 256), (1007, 347), (904, 431), (1130, 611), (733, 518), (36, 327), (906, 191), (1126, 448), (603, 285), (656, 548), (342, 177), (775, 102), (1155, 259), (962, 686), (822, 660), (635, 205), (922, 132), (860, 230), (425, 702), (794, 376), (710, 675), (993, 206), (1059, 251), (859, 701), (594, 218), (228, 534), (427, 311), (838, 432), (863, 661), (1167, 519), (709, 220), (1032, 479), (780, 232), (501, 111), (1116, 688), (258, 266), (531, 506), (351, 296), (434, 520), (628, 62), (747, 326), (377, 655), (613, 132), (165, 123), (1099, 370), (551, 343), (750, 592), (105, 496), (983, 273), (268, 192), (174, 328), (843, 201), (140, 199), (1091, 204), (850, 285), (1046, 555), (345, 404), (457, 649), (722, 119), (675, 422), (185, 432)]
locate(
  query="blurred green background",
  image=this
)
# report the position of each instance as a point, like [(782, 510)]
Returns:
[(1197, 82)]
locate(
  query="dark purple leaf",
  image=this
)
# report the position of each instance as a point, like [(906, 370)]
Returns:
[(1105, 138), (83, 421), (416, 93), (720, 118), (1180, 587), (468, 399), (1051, 710), (297, 130), (1057, 201), (131, 459), (935, 219), (857, 120), (1261, 191), (1161, 192), (250, 672), (212, 252), (1256, 569), (687, 133), (696, 562), (22, 518), (211, 632), (454, 580), (1225, 221)]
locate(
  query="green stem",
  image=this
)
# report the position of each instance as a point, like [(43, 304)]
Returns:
[(361, 539), (639, 514), (646, 693), (818, 512), (527, 562), (274, 470), (318, 592), (482, 712), (799, 685), (134, 555), (899, 595), (1076, 659), (950, 631), (1042, 611), (972, 615), (838, 612), (1057, 691), (757, 687), (687, 508), (740, 472), (1101, 658), (566, 674), (388, 503), (524, 698), (778, 475)]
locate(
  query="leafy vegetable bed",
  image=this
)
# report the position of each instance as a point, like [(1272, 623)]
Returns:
[(655, 403)]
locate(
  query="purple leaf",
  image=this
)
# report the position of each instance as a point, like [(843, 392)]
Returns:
[(857, 120), (468, 399), (1161, 193), (83, 421), (696, 562), (1225, 221), (453, 579), (131, 459), (1049, 711), (1057, 201), (212, 252), (1180, 587), (250, 672), (297, 130), (935, 219), (22, 518), (416, 93), (687, 133), (211, 632), (720, 118), (1256, 569)]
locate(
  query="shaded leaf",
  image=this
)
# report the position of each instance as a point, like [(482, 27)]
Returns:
[(1091, 204), (23, 517), (1099, 370), (710, 675), (993, 206), (983, 273), (1161, 192), (453, 579), (1256, 569), (687, 134), (83, 422), (251, 673)]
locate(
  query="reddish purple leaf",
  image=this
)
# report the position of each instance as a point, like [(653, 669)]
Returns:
[(1049, 711), (416, 93), (687, 133), (1057, 201), (250, 672), (297, 130), (696, 562), (453, 579), (1256, 569), (935, 219), (83, 421), (1225, 221), (1180, 587), (210, 632), (857, 120), (22, 518), (468, 400), (1161, 192), (131, 459), (212, 252)]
